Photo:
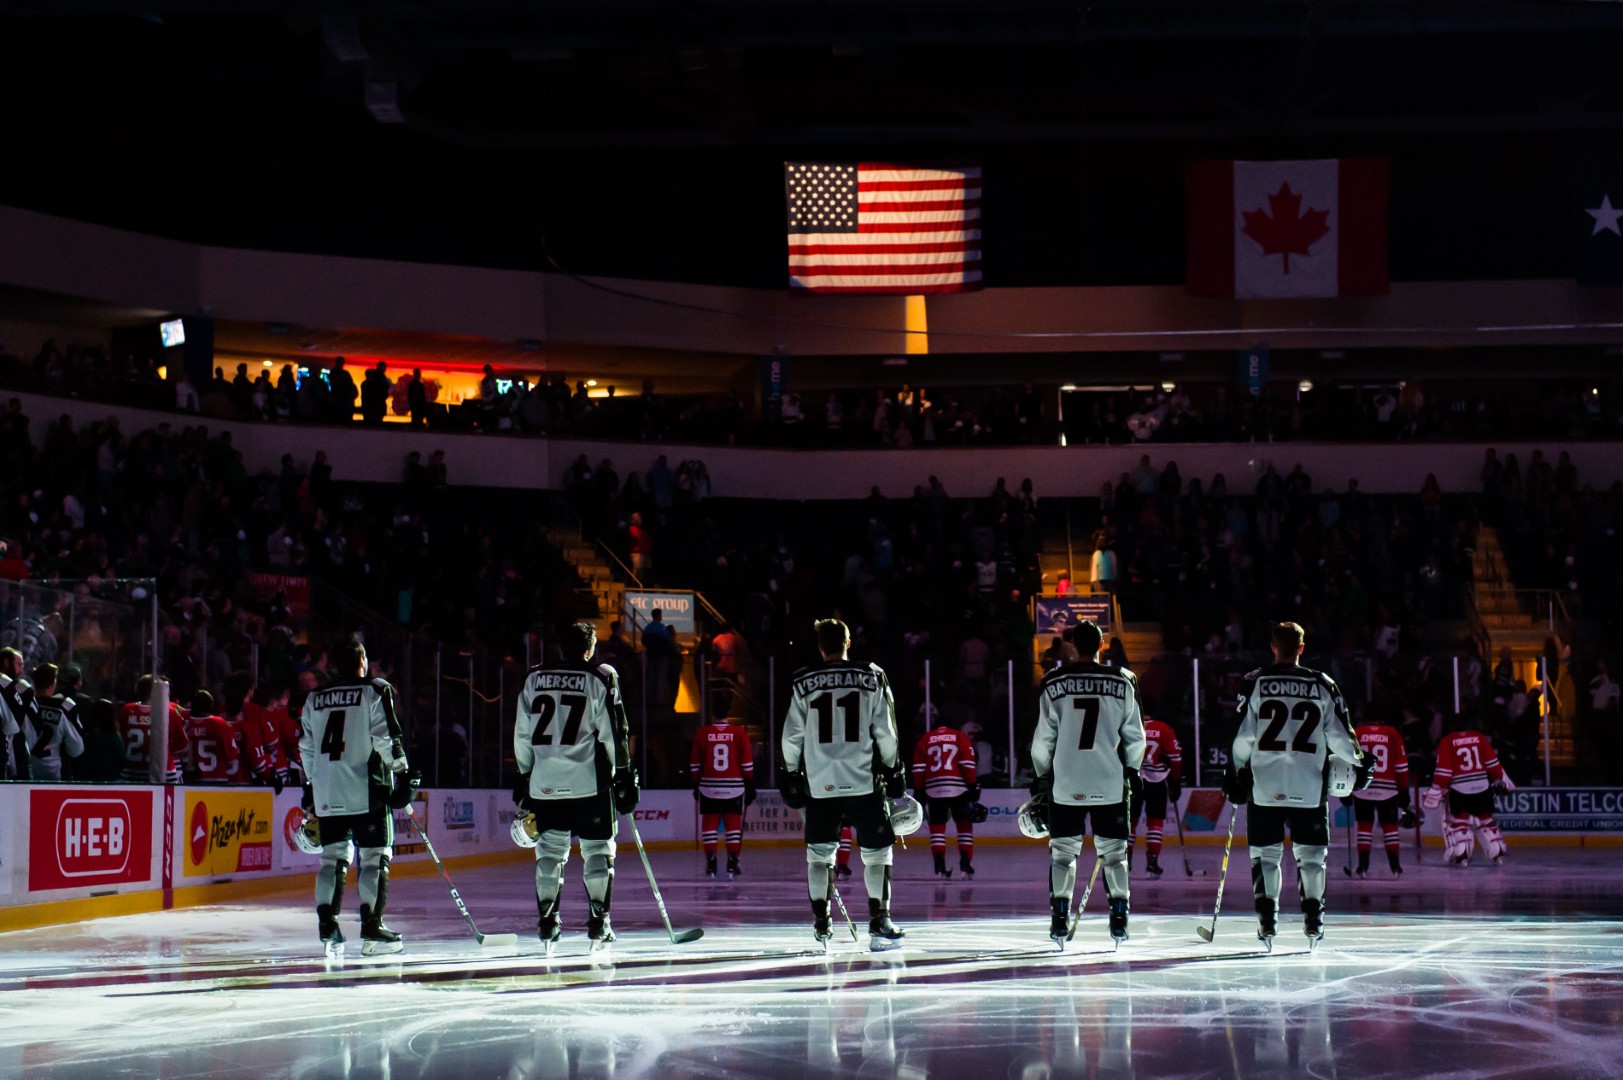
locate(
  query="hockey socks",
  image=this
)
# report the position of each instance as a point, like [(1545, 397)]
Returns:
[(733, 824), (707, 834), (938, 839)]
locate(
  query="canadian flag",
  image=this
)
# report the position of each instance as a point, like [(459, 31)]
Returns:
[(1265, 229)]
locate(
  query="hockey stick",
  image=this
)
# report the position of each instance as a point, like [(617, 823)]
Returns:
[(483, 939), (1177, 819), (676, 939), (1076, 915), (1222, 879), (834, 891), (1346, 805)]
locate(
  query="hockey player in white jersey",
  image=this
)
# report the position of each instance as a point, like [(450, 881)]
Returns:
[(842, 766), (572, 746), (52, 733), (1293, 727), (1086, 753), (355, 763)]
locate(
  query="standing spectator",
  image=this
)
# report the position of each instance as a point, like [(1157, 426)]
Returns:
[(417, 399), (186, 399), (375, 394), (642, 546), (488, 398), (343, 392), (1104, 568)]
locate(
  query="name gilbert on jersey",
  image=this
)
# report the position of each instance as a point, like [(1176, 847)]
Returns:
[(1091, 685), (340, 697), (559, 680), (829, 680)]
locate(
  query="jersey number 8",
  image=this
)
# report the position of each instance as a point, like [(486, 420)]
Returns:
[(545, 708), (720, 757), (1276, 713)]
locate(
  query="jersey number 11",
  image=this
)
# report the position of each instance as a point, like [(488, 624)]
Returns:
[(825, 704)]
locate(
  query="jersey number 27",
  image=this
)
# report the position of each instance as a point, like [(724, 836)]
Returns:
[(545, 708)]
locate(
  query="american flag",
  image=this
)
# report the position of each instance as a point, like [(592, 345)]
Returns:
[(871, 227)]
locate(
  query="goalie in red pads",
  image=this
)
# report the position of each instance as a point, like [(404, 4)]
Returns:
[(1467, 771)]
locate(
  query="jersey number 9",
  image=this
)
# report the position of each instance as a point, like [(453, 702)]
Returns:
[(1276, 714), (545, 709)]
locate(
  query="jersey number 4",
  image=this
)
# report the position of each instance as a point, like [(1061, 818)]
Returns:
[(850, 707), (546, 708), (1275, 713), (332, 736)]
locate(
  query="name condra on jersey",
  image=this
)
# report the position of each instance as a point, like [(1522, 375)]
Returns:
[(1277, 686)]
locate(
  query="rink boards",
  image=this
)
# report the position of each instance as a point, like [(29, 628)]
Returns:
[(71, 852)]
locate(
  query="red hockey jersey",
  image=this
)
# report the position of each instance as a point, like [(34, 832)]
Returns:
[(1163, 757), (1384, 746), (262, 752), (214, 749), (135, 728), (1466, 763), (943, 763), (722, 762)]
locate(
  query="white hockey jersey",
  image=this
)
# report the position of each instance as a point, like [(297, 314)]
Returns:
[(565, 713), (349, 741), (51, 734), (1292, 721), (842, 718), (1089, 729)]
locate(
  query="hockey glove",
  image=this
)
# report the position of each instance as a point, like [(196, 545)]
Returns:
[(405, 788), (749, 795), (1364, 773), (308, 799), (974, 793), (277, 782), (627, 792), (794, 789), (1237, 785), (1505, 784), (1131, 784), (695, 794), (521, 790), (1043, 786), (895, 780), (399, 765), (1433, 797), (1406, 819), (977, 813), (1174, 788)]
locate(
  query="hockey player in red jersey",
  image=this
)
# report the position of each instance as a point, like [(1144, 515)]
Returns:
[(944, 778), (1467, 770), (135, 729), (723, 769), (1387, 795), (213, 758), (842, 857), (1161, 782)]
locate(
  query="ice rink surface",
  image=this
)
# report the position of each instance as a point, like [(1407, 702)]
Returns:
[(1514, 971)]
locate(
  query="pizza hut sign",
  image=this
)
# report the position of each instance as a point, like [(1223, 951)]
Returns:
[(77, 840)]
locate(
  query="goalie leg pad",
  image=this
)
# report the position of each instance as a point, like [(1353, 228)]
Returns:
[(1487, 830), (373, 875), (1265, 874), (598, 858), (1063, 852), (819, 869), (551, 852), (1456, 836), (1113, 861), (1310, 861), (330, 876)]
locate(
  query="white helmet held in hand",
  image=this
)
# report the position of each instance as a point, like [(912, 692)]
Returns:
[(906, 815), (525, 833), (1032, 817), (1343, 779), (307, 834)]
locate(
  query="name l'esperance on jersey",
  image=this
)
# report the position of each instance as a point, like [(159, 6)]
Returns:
[(1090, 685), (837, 679)]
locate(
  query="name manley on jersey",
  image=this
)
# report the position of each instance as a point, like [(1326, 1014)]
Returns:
[(1089, 727), (565, 712), (840, 713), (1292, 720), (343, 726)]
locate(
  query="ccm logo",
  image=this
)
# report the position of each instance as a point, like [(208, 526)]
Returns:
[(92, 837), (651, 815)]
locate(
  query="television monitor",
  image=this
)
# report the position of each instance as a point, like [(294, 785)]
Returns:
[(173, 332)]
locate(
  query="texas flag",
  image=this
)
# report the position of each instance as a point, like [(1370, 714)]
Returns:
[(1266, 229)]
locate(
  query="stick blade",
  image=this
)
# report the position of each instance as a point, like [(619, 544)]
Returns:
[(498, 940), (1205, 934), (682, 937)]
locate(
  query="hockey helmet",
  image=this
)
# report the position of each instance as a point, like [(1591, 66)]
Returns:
[(307, 833), (525, 833), (1032, 817), (906, 815), (1343, 779)]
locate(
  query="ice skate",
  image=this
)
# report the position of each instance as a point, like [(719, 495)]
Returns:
[(549, 931), (822, 929), (965, 867), (1266, 929), (1153, 866), (598, 930), (882, 933), (1362, 873), (842, 870), (1392, 861), (1118, 920), (710, 867), (1059, 925), (377, 939), (733, 872), (1313, 922), (1461, 861), (941, 870), (332, 938)]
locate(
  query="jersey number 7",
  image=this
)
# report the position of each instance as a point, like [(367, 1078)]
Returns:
[(545, 708), (1089, 708)]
